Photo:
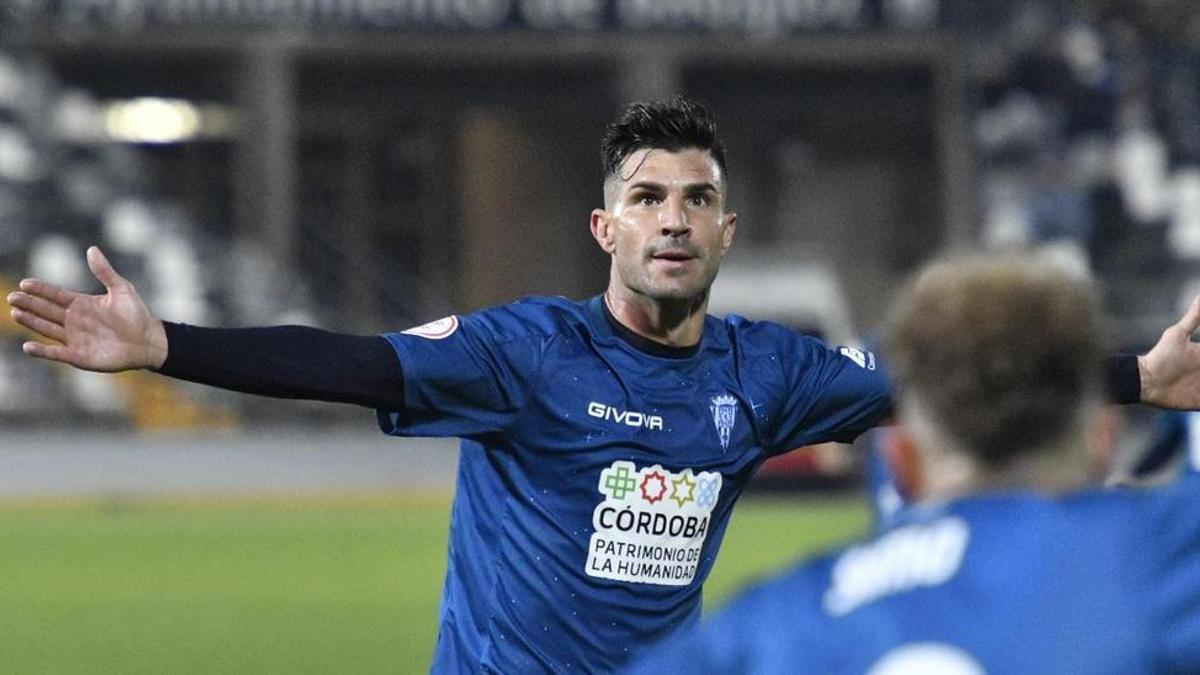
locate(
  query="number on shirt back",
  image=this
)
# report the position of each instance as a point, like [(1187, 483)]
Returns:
[(926, 658)]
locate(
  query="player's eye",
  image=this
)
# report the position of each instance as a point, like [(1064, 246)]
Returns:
[(648, 200), (699, 200)]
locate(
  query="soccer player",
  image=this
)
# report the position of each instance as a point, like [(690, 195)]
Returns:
[(1006, 564), (604, 441)]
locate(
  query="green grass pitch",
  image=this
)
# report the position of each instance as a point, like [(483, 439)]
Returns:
[(270, 586)]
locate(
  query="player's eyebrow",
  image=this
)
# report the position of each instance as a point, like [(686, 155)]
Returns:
[(690, 188), (700, 188), (648, 186)]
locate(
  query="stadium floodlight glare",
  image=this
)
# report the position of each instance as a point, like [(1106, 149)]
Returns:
[(152, 120)]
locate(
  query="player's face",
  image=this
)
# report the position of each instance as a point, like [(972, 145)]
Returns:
[(666, 226)]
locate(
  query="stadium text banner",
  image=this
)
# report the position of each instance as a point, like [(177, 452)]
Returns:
[(757, 17)]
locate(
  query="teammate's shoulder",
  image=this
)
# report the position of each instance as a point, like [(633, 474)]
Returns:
[(769, 627), (800, 581), (782, 604), (1140, 501), (1167, 513), (1160, 518)]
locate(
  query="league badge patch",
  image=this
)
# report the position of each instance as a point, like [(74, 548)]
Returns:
[(435, 330)]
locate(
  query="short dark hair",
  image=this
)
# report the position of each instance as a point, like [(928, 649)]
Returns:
[(1002, 351), (673, 124)]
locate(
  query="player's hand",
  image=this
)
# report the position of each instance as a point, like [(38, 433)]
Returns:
[(1170, 372), (108, 333)]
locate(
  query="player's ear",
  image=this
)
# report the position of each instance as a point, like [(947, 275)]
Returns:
[(730, 230), (1104, 436), (904, 460), (602, 230)]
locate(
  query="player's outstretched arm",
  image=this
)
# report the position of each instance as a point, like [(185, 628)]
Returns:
[(108, 333), (1170, 371), (116, 331)]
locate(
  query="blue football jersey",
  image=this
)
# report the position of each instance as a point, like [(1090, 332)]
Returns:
[(597, 474), (1094, 582)]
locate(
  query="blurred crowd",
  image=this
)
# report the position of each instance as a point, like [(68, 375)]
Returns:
[(65, 182), (1085, 121), (1087, 132)]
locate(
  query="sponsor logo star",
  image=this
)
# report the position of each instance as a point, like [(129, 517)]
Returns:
[(683, 489), (661, 492)]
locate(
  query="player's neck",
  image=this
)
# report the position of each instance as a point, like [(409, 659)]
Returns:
[(676, 324), (1047, 471)]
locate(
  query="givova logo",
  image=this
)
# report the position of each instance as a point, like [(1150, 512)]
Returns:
[(651, 526), (630, 418)]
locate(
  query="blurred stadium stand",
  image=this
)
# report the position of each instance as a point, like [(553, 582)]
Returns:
[(367, 166)]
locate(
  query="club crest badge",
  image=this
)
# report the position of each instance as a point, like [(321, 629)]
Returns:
[(724, 412)]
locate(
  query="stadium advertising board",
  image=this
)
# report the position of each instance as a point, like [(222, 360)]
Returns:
[(758, 17)]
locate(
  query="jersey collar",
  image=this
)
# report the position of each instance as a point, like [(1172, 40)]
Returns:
[(638, 342)]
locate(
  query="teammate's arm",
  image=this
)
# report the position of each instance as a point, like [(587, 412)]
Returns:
[(115, 331), (1170, 371)]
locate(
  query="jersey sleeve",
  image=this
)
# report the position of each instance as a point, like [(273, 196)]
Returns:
[(465, 376), (830, 394)]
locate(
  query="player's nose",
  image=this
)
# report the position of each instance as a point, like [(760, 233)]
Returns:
[(673, 218)]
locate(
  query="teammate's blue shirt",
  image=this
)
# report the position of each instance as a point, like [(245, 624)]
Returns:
[(1095, 582), (1175, 432), (597, 475)]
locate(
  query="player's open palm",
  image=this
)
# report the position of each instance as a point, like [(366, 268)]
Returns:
[(1171, 369), (110, 332)]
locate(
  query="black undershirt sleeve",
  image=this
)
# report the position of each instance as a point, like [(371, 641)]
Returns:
[(1122, 381), (288, 362), (309, 363)]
